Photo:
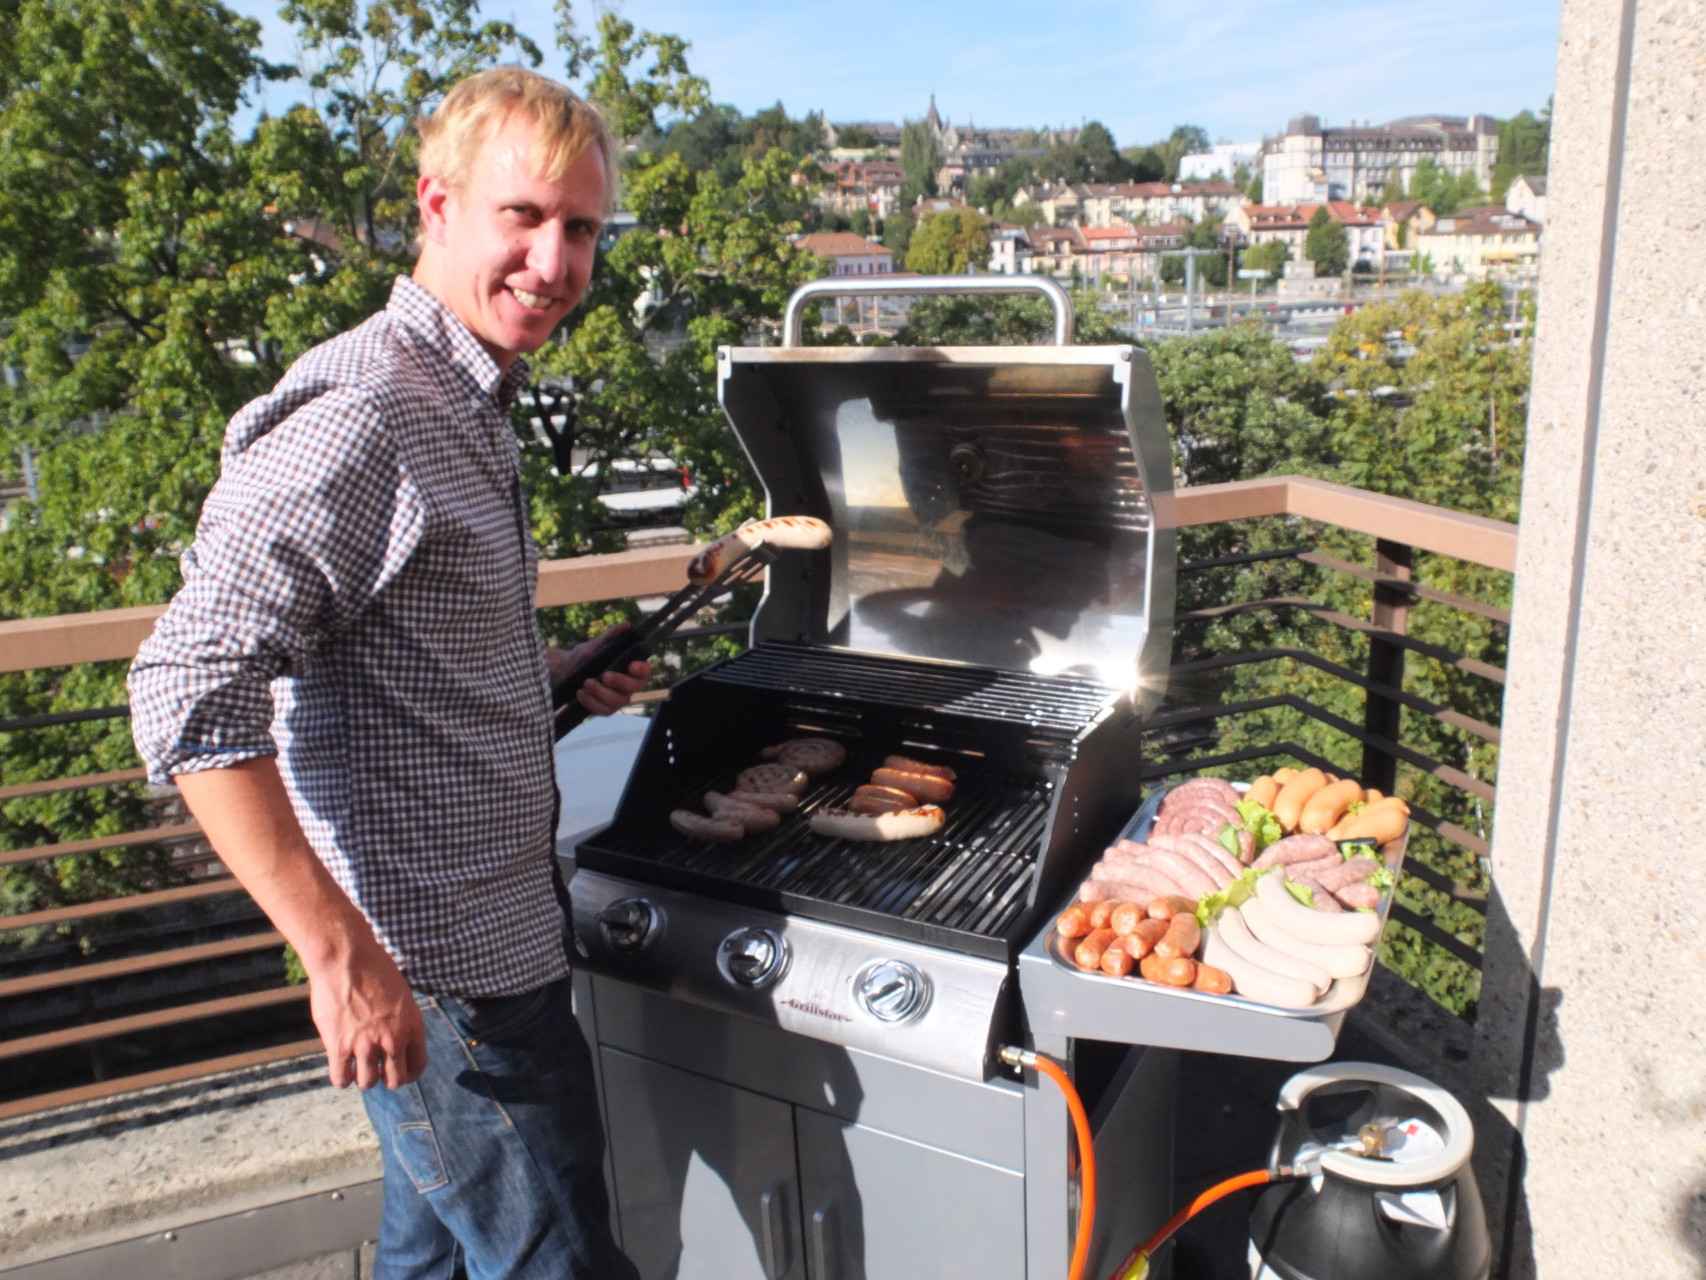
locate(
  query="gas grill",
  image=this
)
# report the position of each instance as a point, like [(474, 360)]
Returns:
[(823, 1012)]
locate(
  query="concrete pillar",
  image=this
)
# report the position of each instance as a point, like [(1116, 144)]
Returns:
[(1590, 1037)]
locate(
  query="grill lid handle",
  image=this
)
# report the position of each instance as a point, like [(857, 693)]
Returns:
[(849, 286)]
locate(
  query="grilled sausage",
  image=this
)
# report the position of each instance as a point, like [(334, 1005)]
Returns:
[(923, 785), (751, 818), (696, 826), (769, 778), (811, 756), (907, 765), (870, 799), (908, 824), (778, 802), (803, 532)]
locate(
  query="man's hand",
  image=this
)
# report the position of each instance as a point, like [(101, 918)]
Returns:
[(367, 1017), (361, 1005), (608, 693)]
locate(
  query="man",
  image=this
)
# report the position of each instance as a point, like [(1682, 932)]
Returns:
[(352, 695)]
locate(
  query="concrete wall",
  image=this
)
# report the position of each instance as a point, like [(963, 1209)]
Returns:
[(1590, 1035)]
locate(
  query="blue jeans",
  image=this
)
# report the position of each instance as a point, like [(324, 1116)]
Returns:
[(494, 1158)]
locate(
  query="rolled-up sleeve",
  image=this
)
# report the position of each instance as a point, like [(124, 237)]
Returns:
[(310, 519)]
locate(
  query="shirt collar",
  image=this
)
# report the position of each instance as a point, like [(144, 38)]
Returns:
[(421, 311)]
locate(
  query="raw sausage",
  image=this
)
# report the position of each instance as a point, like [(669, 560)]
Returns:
[(1288, 805), (1142, 939), (1236, 934), (1292, 849), (1088, 953), (1346, 928), (1182, 938), (1338, 961), (1328, 805), (1252, 981), (1074, 922), (1117, 962)]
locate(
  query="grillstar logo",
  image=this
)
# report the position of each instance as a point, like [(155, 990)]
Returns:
[(817, 1010)]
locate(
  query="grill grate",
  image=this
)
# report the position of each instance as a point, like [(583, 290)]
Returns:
[(971, 879), (1051, 703)]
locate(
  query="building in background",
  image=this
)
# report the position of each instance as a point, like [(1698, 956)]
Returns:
[(848, 254), (1223, 161), (1527, 197), (1488, 242), (1310, 163)]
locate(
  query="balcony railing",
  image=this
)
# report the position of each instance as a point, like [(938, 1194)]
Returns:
[(1328, 670)]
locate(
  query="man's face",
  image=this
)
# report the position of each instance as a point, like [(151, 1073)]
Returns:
[(514, 251)]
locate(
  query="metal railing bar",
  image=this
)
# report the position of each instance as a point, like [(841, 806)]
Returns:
[(1474, 666), (1437, 710), (1444, 772), (1302, 755), (48, 786), (166, 1075), (1406, 586), (63, 717), (119, 906), (1451, 831), (1436, 935), (150, 835), (1247, 557), (1445, 884), (75, 974), (151, 1021)]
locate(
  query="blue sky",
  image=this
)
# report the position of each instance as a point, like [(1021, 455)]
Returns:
[(1239, 68)]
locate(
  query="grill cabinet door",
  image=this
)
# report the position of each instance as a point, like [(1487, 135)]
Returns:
[(878, 1207), (706, 1183)]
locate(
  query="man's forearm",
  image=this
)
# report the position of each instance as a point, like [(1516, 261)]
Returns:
[(247, 816), (361, 1003)]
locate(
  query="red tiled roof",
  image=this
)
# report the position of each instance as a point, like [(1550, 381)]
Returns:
[(840, 244)]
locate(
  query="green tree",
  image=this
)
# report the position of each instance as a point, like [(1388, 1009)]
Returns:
[(947, 244), (1062, 162), (855, 137), (897, 231), (1270, 257), (1145, 164), (1326, 244), (1206, 235), (1102, 161), (1525, 142), (919, 159), (1185, 140), (859, 222), (1253, 192)]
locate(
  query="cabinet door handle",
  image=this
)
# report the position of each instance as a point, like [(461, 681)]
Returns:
[(821, 1228), (772, 1225)]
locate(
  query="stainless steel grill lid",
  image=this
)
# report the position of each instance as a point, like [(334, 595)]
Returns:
[(991, 505)]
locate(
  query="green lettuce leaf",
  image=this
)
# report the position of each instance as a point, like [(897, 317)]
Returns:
[(1260, 822), (1228, 838), (1383, 879), (1358, 849), (1239, 891), (1302, 893)]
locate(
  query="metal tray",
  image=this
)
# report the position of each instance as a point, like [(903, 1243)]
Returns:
[(1062, 997)]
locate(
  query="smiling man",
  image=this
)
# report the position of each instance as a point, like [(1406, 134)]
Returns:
[(352, 695)]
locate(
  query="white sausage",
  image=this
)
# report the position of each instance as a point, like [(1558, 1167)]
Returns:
[(1346, 928), (908, 824), (750, 816), (776, 802), (1340, 961), (1250, 980), (696, 826), (1238, 936)]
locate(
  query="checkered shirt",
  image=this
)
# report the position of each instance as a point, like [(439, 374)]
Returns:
[(359, 602)]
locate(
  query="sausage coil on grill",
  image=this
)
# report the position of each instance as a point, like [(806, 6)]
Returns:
[(750, 817), (776, 802), (802, 532), (811, 756), (906, 824), (769, 778)]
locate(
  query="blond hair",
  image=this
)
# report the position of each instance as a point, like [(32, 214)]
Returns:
[(477, 107)]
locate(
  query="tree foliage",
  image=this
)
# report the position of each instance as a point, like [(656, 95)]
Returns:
[(1525, 142), (1442, 192), (1327, 244), (948, 244), (919, 160), (161, 270), (1270, 257)]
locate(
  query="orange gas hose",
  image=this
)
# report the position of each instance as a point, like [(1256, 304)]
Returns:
[(1136, 1265), (1086, 1151)]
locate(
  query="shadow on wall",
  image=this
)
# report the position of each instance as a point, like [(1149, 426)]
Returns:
[(1517, 1046)]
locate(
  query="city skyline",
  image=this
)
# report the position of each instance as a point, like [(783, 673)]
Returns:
[(1240, 70)]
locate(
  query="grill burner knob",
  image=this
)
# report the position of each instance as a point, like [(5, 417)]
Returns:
[(752, 957), (891, 991), (628, 924)]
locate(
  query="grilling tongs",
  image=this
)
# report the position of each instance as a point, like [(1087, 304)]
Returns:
[(749, 551)]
